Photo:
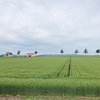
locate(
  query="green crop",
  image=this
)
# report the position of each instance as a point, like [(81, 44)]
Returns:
[(52, 75)]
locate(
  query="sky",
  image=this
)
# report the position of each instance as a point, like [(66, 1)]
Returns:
[(47, 26)]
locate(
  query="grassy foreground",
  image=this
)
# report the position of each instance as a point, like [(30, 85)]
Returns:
[(18, 97), (50, 75), (60, 98)]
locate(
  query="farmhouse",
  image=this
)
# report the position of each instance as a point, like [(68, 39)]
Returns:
[(8, 54), (30, 54)]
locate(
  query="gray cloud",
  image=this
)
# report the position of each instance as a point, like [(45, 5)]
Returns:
[(48, 26)]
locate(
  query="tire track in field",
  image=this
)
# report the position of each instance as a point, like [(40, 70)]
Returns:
[(67, 73), (69, 67), (49, 75)]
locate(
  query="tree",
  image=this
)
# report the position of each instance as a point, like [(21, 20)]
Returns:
[(85, 51), (62, 51), (98, 51), (18, 53), (76, 51), (36, 52)]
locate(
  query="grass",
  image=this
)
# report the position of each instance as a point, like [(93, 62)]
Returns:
[(49, 97), (60, 98), (50, 75)]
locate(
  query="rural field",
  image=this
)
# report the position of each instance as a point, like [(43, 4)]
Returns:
[(50, 76)]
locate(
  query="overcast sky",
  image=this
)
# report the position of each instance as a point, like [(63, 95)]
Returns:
[(47, 26)]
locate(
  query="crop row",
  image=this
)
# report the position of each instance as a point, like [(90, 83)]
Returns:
[(49, 67)]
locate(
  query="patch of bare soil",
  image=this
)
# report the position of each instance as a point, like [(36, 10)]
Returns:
[(9, 97)]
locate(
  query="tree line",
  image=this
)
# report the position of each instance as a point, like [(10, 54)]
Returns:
[(85, 51)]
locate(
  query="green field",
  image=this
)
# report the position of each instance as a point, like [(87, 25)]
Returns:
[(50, 75)]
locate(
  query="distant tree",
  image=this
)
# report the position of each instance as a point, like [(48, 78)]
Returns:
[(18, 53), (98, 51), (76, 51), (85, 51), (36, 52), (62, 51)]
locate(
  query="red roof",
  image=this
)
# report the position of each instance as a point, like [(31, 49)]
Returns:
[(30, 54)]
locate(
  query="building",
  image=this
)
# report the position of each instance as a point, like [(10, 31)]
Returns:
[(8, 54), (30, 54)]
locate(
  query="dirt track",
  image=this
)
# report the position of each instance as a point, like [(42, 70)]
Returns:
[(9, 97)]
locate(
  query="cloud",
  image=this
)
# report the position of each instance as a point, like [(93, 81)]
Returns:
[(53, 24)]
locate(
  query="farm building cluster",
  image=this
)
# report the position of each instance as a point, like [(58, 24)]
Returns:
[(29, 54)]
